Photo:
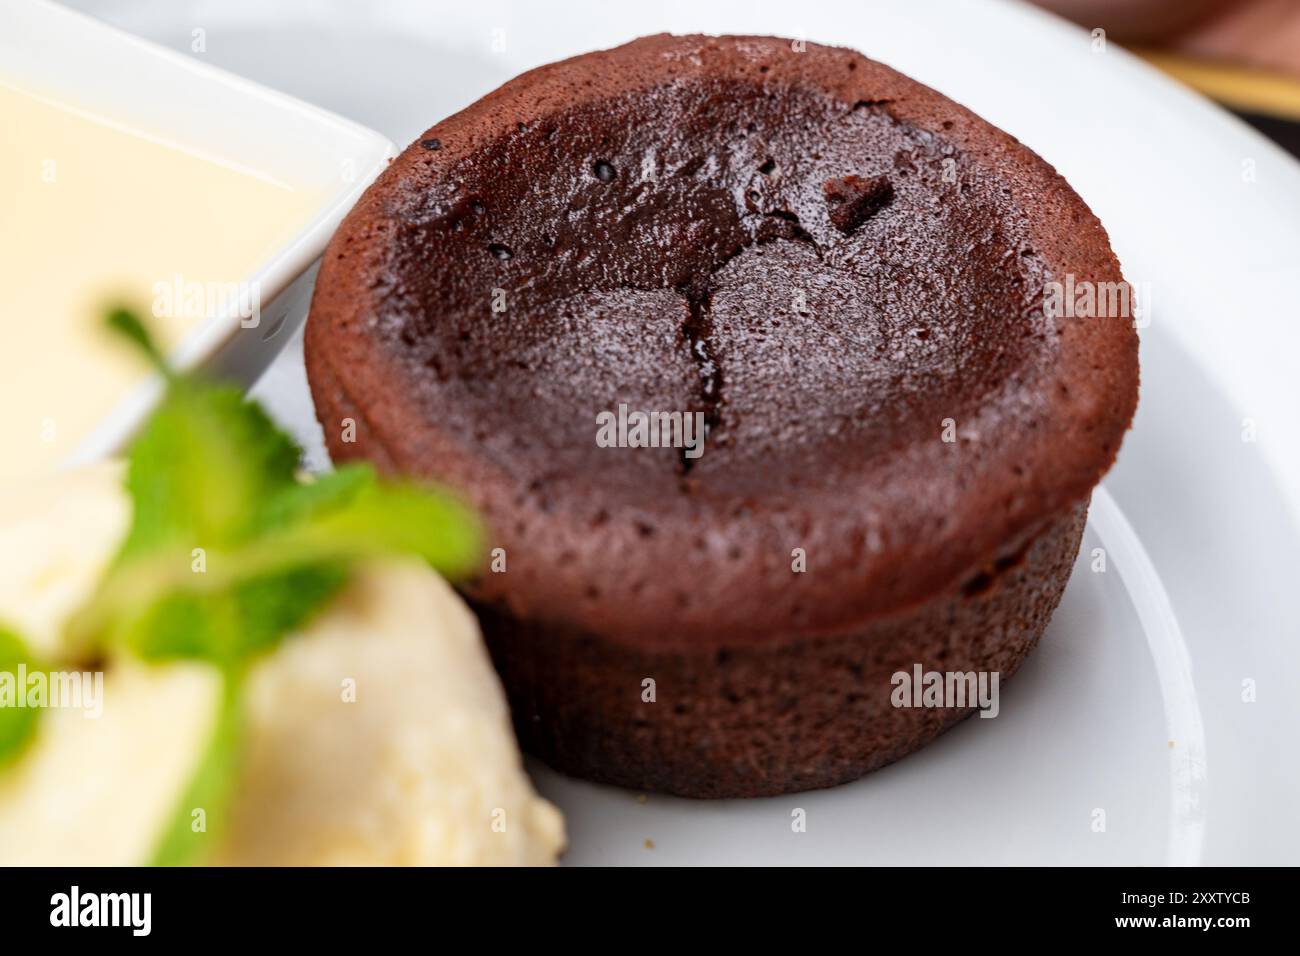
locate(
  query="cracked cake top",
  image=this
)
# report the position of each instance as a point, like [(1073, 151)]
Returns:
[(837, 267)]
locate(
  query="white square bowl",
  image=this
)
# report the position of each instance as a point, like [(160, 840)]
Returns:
[(106, 71)]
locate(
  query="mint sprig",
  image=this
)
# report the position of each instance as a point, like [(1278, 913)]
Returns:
[(209, 787), (227, 550), (17, 724)]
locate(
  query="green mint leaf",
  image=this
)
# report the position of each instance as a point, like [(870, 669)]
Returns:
[(227, 551), (201, 468), (248, 614), (301, 501), (209, 789), (127, 324), (17, 724), (351, 514)]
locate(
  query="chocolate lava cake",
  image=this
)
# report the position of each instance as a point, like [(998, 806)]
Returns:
[(844, 274)]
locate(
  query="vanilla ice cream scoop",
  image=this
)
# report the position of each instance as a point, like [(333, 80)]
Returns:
[(378, 735)]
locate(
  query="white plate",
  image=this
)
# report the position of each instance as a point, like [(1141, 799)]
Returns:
[(1199, 526)]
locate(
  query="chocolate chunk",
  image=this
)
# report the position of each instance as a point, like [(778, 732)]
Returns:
[(852, 200)]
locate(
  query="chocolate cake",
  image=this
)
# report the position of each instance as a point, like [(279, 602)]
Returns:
[(843, 274)]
